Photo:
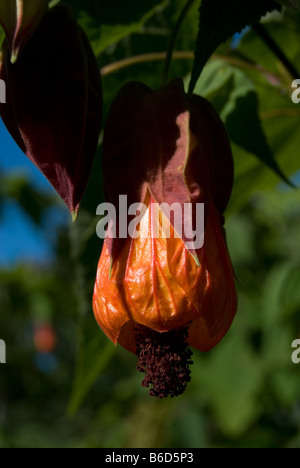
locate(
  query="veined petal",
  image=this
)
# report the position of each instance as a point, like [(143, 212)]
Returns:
[(141, 287), (209, 286)]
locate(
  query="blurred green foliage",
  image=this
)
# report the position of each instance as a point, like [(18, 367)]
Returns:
[(244, 393)]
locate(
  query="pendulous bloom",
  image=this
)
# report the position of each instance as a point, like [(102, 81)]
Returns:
[(157, 294), (54, 102)]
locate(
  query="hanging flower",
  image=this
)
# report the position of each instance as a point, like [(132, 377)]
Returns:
[(157, 294), (54, 103)]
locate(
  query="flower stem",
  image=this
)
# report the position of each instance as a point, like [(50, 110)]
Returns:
[(274, 47), (174, 36), (144, 58), (240, 62)]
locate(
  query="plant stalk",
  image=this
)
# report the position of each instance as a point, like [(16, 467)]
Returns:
[(174, 36)]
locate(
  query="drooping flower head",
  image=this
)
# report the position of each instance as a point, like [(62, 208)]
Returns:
[(54, 102), (158, 294)]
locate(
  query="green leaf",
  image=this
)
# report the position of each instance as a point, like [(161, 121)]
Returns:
[(248, 132), (107, 23), (234, 96), (219, 21)]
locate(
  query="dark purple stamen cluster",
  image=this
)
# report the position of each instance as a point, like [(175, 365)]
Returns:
[(165, 359)]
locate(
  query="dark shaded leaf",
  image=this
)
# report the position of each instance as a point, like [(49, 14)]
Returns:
[(220, 20), (234, 96), (244, 128)]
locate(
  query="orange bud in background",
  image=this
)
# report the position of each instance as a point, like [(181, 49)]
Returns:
[(44, 338), (156, 295), (19, 19)]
